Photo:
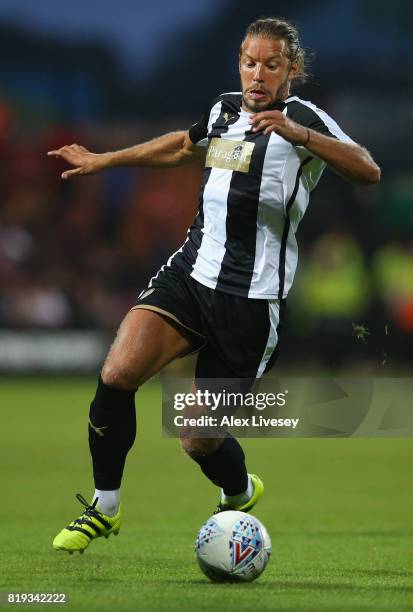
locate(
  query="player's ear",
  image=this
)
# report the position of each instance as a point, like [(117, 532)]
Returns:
[(293, 71)]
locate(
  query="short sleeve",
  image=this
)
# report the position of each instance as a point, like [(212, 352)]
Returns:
[(310, 116), (198, 132)]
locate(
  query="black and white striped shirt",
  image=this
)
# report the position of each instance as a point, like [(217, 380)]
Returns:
[(255, 191)]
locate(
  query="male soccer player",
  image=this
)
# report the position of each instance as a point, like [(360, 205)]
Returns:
[(223, 291)]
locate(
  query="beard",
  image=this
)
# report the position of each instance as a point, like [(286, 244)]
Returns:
[(257, 106)]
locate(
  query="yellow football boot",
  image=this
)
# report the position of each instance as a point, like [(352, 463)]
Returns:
[(91, 524), (257, 494)]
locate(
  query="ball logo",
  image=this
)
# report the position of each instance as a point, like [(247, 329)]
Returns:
[(246, 542), (240, 553)]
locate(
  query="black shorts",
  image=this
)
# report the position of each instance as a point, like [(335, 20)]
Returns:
[(236, 337)]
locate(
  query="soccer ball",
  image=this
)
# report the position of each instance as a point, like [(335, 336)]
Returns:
[(233, 547)]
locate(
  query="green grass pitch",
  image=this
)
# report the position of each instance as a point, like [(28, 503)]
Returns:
[(339, 513)]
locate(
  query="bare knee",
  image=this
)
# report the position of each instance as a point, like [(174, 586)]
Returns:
[(198, 447), (119, 376)]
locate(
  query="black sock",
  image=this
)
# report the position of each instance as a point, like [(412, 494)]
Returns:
[(112, 431), (225, 467)]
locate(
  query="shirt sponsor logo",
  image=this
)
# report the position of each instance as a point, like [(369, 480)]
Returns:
[(232, 155)]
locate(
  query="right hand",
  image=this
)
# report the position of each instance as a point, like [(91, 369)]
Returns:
[(84, 161)]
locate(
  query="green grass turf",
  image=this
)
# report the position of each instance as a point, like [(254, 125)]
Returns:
[(339, 513)]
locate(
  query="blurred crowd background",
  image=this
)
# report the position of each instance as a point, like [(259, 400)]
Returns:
[(75, 254)]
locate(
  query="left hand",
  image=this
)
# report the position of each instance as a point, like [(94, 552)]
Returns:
[(275, 121)]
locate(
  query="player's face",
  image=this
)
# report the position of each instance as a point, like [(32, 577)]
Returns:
[(265, 71)]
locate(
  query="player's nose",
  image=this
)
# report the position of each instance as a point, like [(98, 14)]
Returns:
[(257, 76)]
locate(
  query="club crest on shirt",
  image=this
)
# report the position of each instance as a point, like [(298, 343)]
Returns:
[(227, 117), (232, 155)]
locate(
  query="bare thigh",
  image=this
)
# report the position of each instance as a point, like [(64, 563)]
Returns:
[(146, 341)]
